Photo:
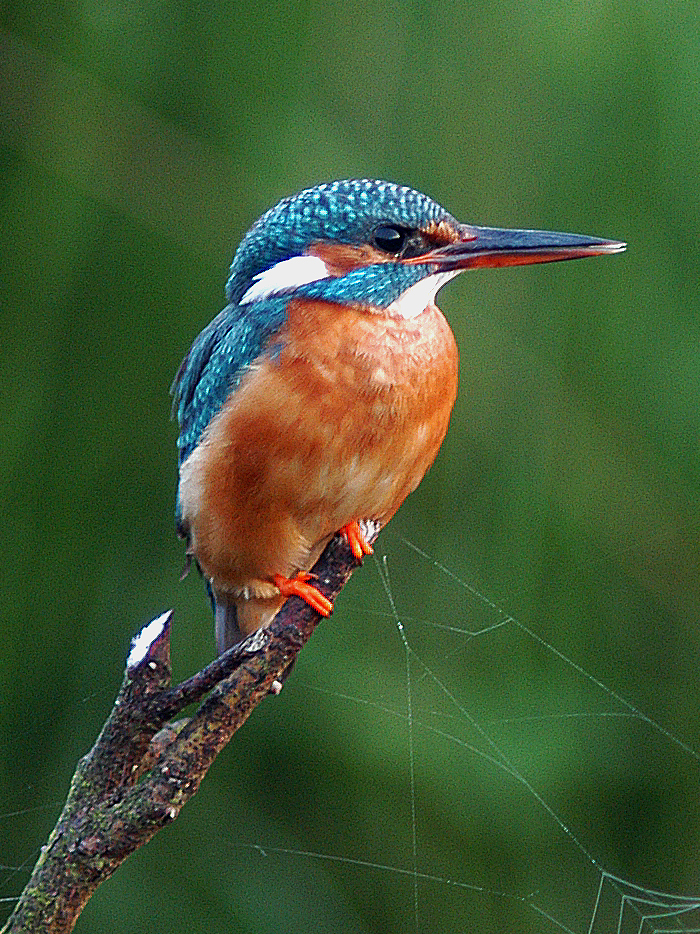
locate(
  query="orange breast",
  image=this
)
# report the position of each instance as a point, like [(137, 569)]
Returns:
[(340, 422)]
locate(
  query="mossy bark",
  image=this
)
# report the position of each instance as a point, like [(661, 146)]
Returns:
[(144, 767)]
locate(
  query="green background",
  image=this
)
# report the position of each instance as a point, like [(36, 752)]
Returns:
[(138, 141)]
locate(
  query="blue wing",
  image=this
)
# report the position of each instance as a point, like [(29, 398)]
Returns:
[(215, 364)]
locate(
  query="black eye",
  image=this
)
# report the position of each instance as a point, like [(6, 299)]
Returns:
[(390, 239)]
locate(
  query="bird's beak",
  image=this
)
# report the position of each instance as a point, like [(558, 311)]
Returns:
[(492, 246)]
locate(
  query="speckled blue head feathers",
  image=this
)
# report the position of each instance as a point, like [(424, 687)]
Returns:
[(343, 212), (372, 245), (320, 396)]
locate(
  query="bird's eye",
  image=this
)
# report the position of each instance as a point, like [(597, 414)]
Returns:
[(390, 239)]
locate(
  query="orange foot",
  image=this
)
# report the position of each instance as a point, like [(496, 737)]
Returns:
[(299, 587), (357, 541)]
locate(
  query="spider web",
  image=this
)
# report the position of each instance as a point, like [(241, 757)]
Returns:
[(575, 891), (603, 902)]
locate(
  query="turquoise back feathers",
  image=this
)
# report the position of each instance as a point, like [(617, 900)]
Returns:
[(344, 212)]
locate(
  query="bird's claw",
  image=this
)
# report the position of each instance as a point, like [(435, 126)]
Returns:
[(299, 586), (357, 541)]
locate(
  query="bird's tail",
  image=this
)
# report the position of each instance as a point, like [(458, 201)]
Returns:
[(236, 617)]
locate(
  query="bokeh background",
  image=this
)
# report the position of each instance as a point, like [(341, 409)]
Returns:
[(138, 141)]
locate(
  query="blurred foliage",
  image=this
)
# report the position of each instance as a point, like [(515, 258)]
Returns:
[(137, 142)]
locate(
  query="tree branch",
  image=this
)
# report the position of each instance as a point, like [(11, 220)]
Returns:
[(144, 767)]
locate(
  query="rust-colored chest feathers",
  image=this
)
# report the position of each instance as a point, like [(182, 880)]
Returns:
[(338, 421), (345, 375)]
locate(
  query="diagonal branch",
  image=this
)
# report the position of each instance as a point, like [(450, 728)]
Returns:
[(144, 767)]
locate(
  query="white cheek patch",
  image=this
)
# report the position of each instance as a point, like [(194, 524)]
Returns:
[(416, 299), (285, 276)]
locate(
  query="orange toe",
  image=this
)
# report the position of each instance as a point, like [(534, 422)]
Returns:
[(357, 541), (299, 587)]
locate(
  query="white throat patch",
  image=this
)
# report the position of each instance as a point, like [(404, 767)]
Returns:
[(285, 276), (416, 299)]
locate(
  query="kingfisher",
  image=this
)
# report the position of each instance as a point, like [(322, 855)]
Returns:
[(320, 396)]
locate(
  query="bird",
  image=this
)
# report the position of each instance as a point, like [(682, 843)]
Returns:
[(320, 395)]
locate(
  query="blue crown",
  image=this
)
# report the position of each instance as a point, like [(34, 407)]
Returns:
[(344, 212)]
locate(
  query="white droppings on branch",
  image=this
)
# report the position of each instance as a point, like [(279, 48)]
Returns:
[(141, 643)]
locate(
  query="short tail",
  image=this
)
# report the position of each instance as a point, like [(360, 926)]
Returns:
[(236, 617), (226, 626)]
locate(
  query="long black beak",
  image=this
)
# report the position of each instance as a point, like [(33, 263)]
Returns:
[(492, 246)]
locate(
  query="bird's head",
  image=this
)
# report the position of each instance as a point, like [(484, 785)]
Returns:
[(381, 246)]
